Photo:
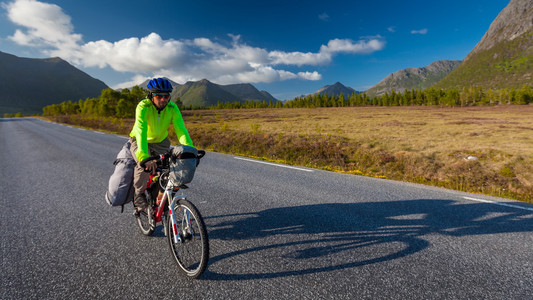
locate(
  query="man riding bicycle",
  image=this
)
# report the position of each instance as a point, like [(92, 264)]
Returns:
[(149, 135)]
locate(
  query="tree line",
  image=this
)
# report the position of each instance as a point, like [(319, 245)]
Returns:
[(415, 97), (122, 104), (111, 103)]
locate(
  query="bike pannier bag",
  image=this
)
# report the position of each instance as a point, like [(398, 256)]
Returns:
[(120, 190), (183, 164)]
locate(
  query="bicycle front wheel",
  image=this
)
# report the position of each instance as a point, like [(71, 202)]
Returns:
[(191, 252), (145, 221)]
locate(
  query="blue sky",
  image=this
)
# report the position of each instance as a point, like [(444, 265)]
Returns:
[(287, 48)]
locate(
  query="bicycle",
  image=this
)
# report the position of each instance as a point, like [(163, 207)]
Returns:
[(183, 224)]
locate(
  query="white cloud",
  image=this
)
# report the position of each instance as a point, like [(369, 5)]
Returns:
[(348, 46), (326, 53), (48, 28), (310, 75), (298, 58), (147, 54), (20, 38), (134, 81), (323, 17), (391, 29), (421, 31), (46, 24)]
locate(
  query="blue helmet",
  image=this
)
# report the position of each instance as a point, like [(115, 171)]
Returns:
[(159, 85)]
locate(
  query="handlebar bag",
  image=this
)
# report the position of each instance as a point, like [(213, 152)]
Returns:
[(183, 162), (120, 188)]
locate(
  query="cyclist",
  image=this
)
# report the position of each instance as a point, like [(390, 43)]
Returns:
[(149, 135)]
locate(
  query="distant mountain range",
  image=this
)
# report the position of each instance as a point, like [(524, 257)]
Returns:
[(29, 84), (204, 93), (411, 78), (414, 78)]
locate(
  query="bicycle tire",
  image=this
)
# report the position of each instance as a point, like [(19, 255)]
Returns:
[(192, 252), (143, 221)]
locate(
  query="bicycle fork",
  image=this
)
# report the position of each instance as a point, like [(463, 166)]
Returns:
[(179, 195)]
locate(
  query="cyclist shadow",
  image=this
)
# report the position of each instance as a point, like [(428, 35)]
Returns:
[(318, 238)]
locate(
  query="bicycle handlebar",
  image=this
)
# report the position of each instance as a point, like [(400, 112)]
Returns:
[(161, 157)]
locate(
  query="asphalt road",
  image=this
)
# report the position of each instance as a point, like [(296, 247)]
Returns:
[(275, 232)]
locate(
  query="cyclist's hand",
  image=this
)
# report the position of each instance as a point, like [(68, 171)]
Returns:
[(151, 166)]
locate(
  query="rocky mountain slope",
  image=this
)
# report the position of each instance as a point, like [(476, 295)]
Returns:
[(504, 56), (414, 78), (511, 23), (29, 84)]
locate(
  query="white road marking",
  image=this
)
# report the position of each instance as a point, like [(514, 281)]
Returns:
[(273, 164), (499, 203)]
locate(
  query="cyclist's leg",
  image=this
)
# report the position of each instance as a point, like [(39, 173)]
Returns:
[(140, 178), (158, 149)]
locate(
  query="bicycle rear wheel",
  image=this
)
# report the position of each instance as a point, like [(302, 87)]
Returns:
[(191, 253)]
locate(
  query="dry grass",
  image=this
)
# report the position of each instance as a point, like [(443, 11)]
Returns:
[(424, 130), (419, 144)]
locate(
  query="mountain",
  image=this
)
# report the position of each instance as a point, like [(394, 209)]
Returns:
[(204, 93), (414, 78), (145, 83), (29, 84), (175, 86), (247, 91), (336, 89), (504, 56)]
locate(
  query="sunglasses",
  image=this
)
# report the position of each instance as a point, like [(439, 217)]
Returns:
[(161, 95)]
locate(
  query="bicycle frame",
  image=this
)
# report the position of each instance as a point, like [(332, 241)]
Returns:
[(159, 213)]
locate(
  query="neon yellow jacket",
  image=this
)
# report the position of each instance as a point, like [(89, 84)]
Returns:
[(151, 126)]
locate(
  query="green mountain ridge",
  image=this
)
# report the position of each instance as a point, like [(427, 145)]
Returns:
[(508, 64), (204, 93), (247, 92)]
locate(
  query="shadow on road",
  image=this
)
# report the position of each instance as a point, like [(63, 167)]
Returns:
[(308, 239)]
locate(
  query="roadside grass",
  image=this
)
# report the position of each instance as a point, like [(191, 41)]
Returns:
[(486, 150)]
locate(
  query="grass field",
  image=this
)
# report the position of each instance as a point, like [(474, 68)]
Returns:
[(477, 149)]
